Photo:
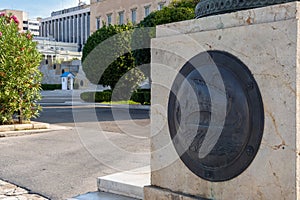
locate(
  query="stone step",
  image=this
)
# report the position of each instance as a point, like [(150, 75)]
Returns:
[(129, 183), (101, 196)]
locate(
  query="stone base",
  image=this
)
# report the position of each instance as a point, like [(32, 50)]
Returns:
[(155, 193), (128, 183), (266, 40)]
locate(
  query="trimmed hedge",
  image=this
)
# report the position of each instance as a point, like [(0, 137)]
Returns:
[(104, 96), (140, 96), (51, 86)]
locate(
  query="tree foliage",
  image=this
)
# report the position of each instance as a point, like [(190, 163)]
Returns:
[(168, 15), (108, 55), (177, 11), (184, 4), (19, 74), (107, 58)]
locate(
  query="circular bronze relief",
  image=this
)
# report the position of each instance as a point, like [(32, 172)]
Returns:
[(216, 116)]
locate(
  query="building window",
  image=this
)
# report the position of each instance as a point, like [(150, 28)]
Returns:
[(121, 17), (147, 10), (133, 15), (109, 19), (98, 23), (160, 5)]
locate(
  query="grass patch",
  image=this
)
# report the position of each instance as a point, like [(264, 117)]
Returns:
[(130, 102)]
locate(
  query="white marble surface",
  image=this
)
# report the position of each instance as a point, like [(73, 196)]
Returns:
[(128, 183), (270, 50), (268, 14)]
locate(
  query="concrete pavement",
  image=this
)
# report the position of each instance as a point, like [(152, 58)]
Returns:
[(59, 166), (66, 163)]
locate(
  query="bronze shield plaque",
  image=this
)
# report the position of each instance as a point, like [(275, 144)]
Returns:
[(216, 116)]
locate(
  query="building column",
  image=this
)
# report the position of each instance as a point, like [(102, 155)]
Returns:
[(58, 30), (75, 28), (62, 30), (82, 30), (86, 28), (78, 22), (44, 30), (82, 27), (48, 29), (73, 32), (54, 28), (66, 29), (70, 30)]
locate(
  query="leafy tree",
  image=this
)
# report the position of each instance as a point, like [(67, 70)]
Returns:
[(107, 58), (184, 3), (19, 74), (168, 15), (177, 11)]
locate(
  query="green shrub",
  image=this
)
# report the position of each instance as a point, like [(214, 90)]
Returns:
[(51, 86), (104, 96), (138, 97), (19, 74), (141, 96), (88, 96), (147, 96)]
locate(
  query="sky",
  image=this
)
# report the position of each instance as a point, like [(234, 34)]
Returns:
[(38, 8)]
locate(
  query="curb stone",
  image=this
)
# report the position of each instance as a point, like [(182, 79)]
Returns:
[(33, 131), (19, 127)]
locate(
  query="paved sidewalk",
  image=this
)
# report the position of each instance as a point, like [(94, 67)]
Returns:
[(9, 191)]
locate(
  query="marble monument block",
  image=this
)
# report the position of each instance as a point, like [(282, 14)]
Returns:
[(264, 44)]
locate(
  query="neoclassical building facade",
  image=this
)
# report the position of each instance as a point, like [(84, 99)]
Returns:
[(122, 11), (70, 25)]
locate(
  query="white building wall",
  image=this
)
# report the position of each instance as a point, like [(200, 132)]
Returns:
[(65, 25), (34, 27)]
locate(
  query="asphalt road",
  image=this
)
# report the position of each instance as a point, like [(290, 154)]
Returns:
[(62, 164)]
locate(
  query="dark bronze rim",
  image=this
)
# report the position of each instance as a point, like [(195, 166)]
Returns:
[(214, 7), (240, 151)]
